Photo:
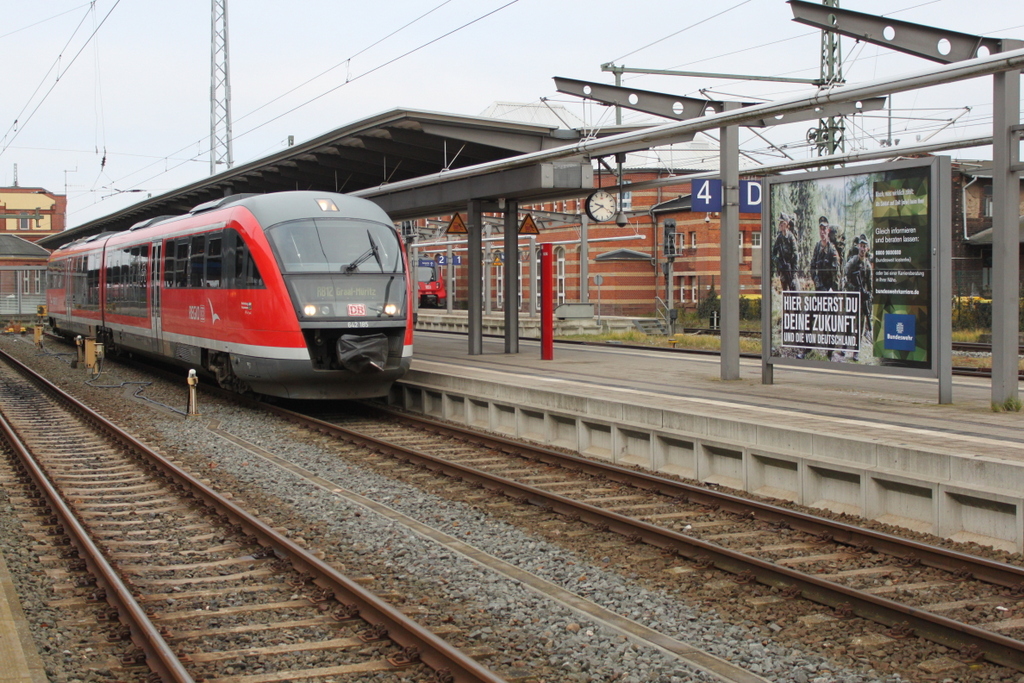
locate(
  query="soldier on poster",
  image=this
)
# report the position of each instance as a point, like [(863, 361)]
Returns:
[(858, 276), (784, 253), (825, 260)]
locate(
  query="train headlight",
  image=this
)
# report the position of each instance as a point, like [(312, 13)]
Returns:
[(390, 309), (309, 309)]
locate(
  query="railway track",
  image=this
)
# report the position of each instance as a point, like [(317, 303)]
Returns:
[(966, 603), (701, 575), (198, 589)]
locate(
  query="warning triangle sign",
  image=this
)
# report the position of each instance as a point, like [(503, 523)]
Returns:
[(528, 226), (456, 226)]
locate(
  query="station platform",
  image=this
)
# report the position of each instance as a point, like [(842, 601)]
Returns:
[(19, 659), (867, 445)]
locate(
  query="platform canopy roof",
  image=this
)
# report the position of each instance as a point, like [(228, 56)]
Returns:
[(385, 148)]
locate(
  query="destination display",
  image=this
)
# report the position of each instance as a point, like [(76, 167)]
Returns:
[(851, 267)]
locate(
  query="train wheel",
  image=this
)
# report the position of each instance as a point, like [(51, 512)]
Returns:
[(220, 365)]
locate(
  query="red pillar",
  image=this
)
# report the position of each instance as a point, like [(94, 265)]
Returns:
[(547, 303)]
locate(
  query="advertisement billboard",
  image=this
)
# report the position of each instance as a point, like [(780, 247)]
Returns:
[(854, 264)]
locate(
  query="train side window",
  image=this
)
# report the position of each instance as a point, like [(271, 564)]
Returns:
[(137, 272), (181, 262), (254, 280), (169, 263), (214, 260), (197, 257)]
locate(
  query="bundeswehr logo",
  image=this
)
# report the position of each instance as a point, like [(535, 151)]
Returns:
[(900, 332)]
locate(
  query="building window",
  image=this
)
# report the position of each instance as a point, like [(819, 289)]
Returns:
[(499, 284), (741, 238), (25, 222), (625, 197), (519, 286), (560, 274), (693, 240), (755, 239)]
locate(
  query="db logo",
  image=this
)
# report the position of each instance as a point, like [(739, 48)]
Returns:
[(356, 309)]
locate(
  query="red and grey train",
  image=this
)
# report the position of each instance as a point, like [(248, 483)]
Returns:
[(292, 294)]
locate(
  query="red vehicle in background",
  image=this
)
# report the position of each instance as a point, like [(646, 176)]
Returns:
[(431, 288)]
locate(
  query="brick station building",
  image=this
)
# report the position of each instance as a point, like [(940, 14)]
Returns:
[(31, 212), (630, 259)]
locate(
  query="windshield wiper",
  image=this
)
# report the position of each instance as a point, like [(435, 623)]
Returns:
[(372, 251)]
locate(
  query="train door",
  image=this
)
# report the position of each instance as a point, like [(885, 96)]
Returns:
[(155, 290)]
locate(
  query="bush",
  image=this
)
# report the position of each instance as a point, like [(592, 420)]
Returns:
[(750, 308), (708, 305), (971, 313)]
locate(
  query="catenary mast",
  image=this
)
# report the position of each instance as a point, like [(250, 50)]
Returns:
[(220, 89)]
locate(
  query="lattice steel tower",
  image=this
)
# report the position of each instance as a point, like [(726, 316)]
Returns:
[(830, 136), (220, 89)]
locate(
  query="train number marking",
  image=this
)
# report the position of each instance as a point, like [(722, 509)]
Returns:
[(356, 309)]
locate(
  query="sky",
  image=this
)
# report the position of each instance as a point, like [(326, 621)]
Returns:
[(109, 101)]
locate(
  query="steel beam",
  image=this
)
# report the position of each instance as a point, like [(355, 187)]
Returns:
[(672, 132), (936, 44), (474, 241), (660, 104), (683, 108), (1005, 237), (706, 74), (729, 235), (511, 276)]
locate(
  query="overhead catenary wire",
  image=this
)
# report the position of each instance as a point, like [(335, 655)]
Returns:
[(57, 80), (56, 64), (172, 162), (682, 30), (43, 21), (331, 90), (347, 60)]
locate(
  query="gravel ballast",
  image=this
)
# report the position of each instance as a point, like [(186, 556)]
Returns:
[(534, 638)]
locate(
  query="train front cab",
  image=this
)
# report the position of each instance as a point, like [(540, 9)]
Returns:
[(346, 276)]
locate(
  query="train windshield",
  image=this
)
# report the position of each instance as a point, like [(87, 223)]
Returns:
[(426, 274), (323, 245)]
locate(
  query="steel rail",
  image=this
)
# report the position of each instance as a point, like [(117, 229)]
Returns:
[(430, 649), (990, 571), (159, 655), (994, 647)]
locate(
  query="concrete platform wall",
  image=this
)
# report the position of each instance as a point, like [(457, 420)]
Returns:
[(938, 493)]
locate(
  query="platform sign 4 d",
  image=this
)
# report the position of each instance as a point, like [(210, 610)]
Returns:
[(707, 195)]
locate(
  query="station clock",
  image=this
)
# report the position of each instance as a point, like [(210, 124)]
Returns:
[(600, 206)]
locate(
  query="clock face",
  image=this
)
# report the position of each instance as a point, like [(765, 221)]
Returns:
[(601, 206)]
